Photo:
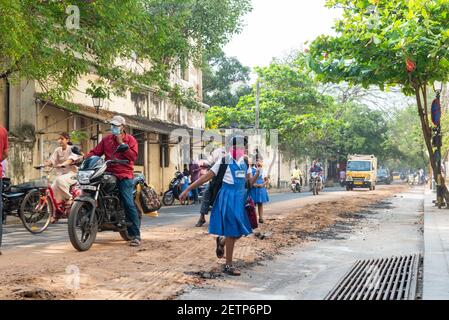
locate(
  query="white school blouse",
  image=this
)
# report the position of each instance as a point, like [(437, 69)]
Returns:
[(228, 175)]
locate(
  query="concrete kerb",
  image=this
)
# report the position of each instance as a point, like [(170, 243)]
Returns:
[(436, 250)]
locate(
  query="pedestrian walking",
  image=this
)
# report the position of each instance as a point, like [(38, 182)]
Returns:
[(3, 156), (209, 196), (194, 170), (185, 183), (259, 192), (229, 220)]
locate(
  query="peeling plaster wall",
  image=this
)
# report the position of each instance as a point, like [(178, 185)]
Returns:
[(20, 160)]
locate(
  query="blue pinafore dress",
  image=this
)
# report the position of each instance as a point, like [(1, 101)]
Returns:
[(228, 215), (185, 184), (259, 195)]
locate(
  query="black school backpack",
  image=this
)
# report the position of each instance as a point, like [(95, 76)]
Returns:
[(217, 182)]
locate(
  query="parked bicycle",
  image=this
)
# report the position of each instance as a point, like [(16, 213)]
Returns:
[(13, 196)]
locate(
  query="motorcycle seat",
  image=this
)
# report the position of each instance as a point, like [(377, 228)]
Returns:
[(13, 195)]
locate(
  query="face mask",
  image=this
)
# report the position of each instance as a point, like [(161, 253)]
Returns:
[(115, 130), (237, 153)]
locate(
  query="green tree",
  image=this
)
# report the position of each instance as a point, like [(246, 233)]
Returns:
[(41, 40), (309, 123), (225, 80), (405, 145), (389, 43)]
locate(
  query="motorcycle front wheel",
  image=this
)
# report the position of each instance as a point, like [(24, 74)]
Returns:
[(81, 235), (168, 199)]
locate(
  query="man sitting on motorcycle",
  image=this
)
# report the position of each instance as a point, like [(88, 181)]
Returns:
[(124, 172), (318, 169), (297, 175), (63, 160)]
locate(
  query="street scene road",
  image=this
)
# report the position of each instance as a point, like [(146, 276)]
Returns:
[(224, 149), (17, 237), (177, 260)]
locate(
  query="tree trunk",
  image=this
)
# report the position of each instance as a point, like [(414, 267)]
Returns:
[(427, 133)]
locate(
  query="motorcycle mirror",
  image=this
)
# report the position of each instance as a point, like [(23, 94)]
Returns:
[(76, 150)]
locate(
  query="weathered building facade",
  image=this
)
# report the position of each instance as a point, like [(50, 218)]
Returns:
[(161, 128)]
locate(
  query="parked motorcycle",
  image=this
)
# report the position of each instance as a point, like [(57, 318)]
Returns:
[(99, 208), (295, 185), (174, 190), (316, 184)]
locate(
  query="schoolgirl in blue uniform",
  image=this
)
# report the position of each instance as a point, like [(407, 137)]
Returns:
[(229, 220), (259, 192)]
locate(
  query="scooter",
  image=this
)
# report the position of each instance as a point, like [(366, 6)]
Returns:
[(296, 185), (174, 190)]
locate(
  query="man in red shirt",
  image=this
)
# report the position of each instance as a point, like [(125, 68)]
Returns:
[(123, 172), (3, 156)]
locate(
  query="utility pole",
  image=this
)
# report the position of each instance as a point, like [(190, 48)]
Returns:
[(279, 168), (257, 124), (257, 106)]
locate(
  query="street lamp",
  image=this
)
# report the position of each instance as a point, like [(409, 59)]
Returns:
[(98, 103)]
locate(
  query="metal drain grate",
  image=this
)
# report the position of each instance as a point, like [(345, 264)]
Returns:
[(392, 278)]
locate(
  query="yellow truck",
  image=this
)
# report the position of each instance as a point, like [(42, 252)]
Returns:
[(361, 172)]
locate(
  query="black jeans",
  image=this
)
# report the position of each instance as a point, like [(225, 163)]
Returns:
[(205, 203)]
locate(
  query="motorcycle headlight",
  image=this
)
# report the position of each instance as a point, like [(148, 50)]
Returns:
[(367, 178), (83, 177), (348, 178)]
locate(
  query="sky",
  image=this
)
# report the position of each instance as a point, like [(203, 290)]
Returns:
[(276, 27)]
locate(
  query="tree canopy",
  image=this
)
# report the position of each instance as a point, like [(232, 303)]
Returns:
[(389, 43), (225, 80), (310, 123), (43, 41)]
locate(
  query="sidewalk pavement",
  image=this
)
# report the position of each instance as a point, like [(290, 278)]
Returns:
[(436, 250)]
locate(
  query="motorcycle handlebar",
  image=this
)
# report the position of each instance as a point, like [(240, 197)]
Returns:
[(118, 161)]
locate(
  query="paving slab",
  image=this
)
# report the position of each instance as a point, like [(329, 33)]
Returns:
[(436, 250)]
